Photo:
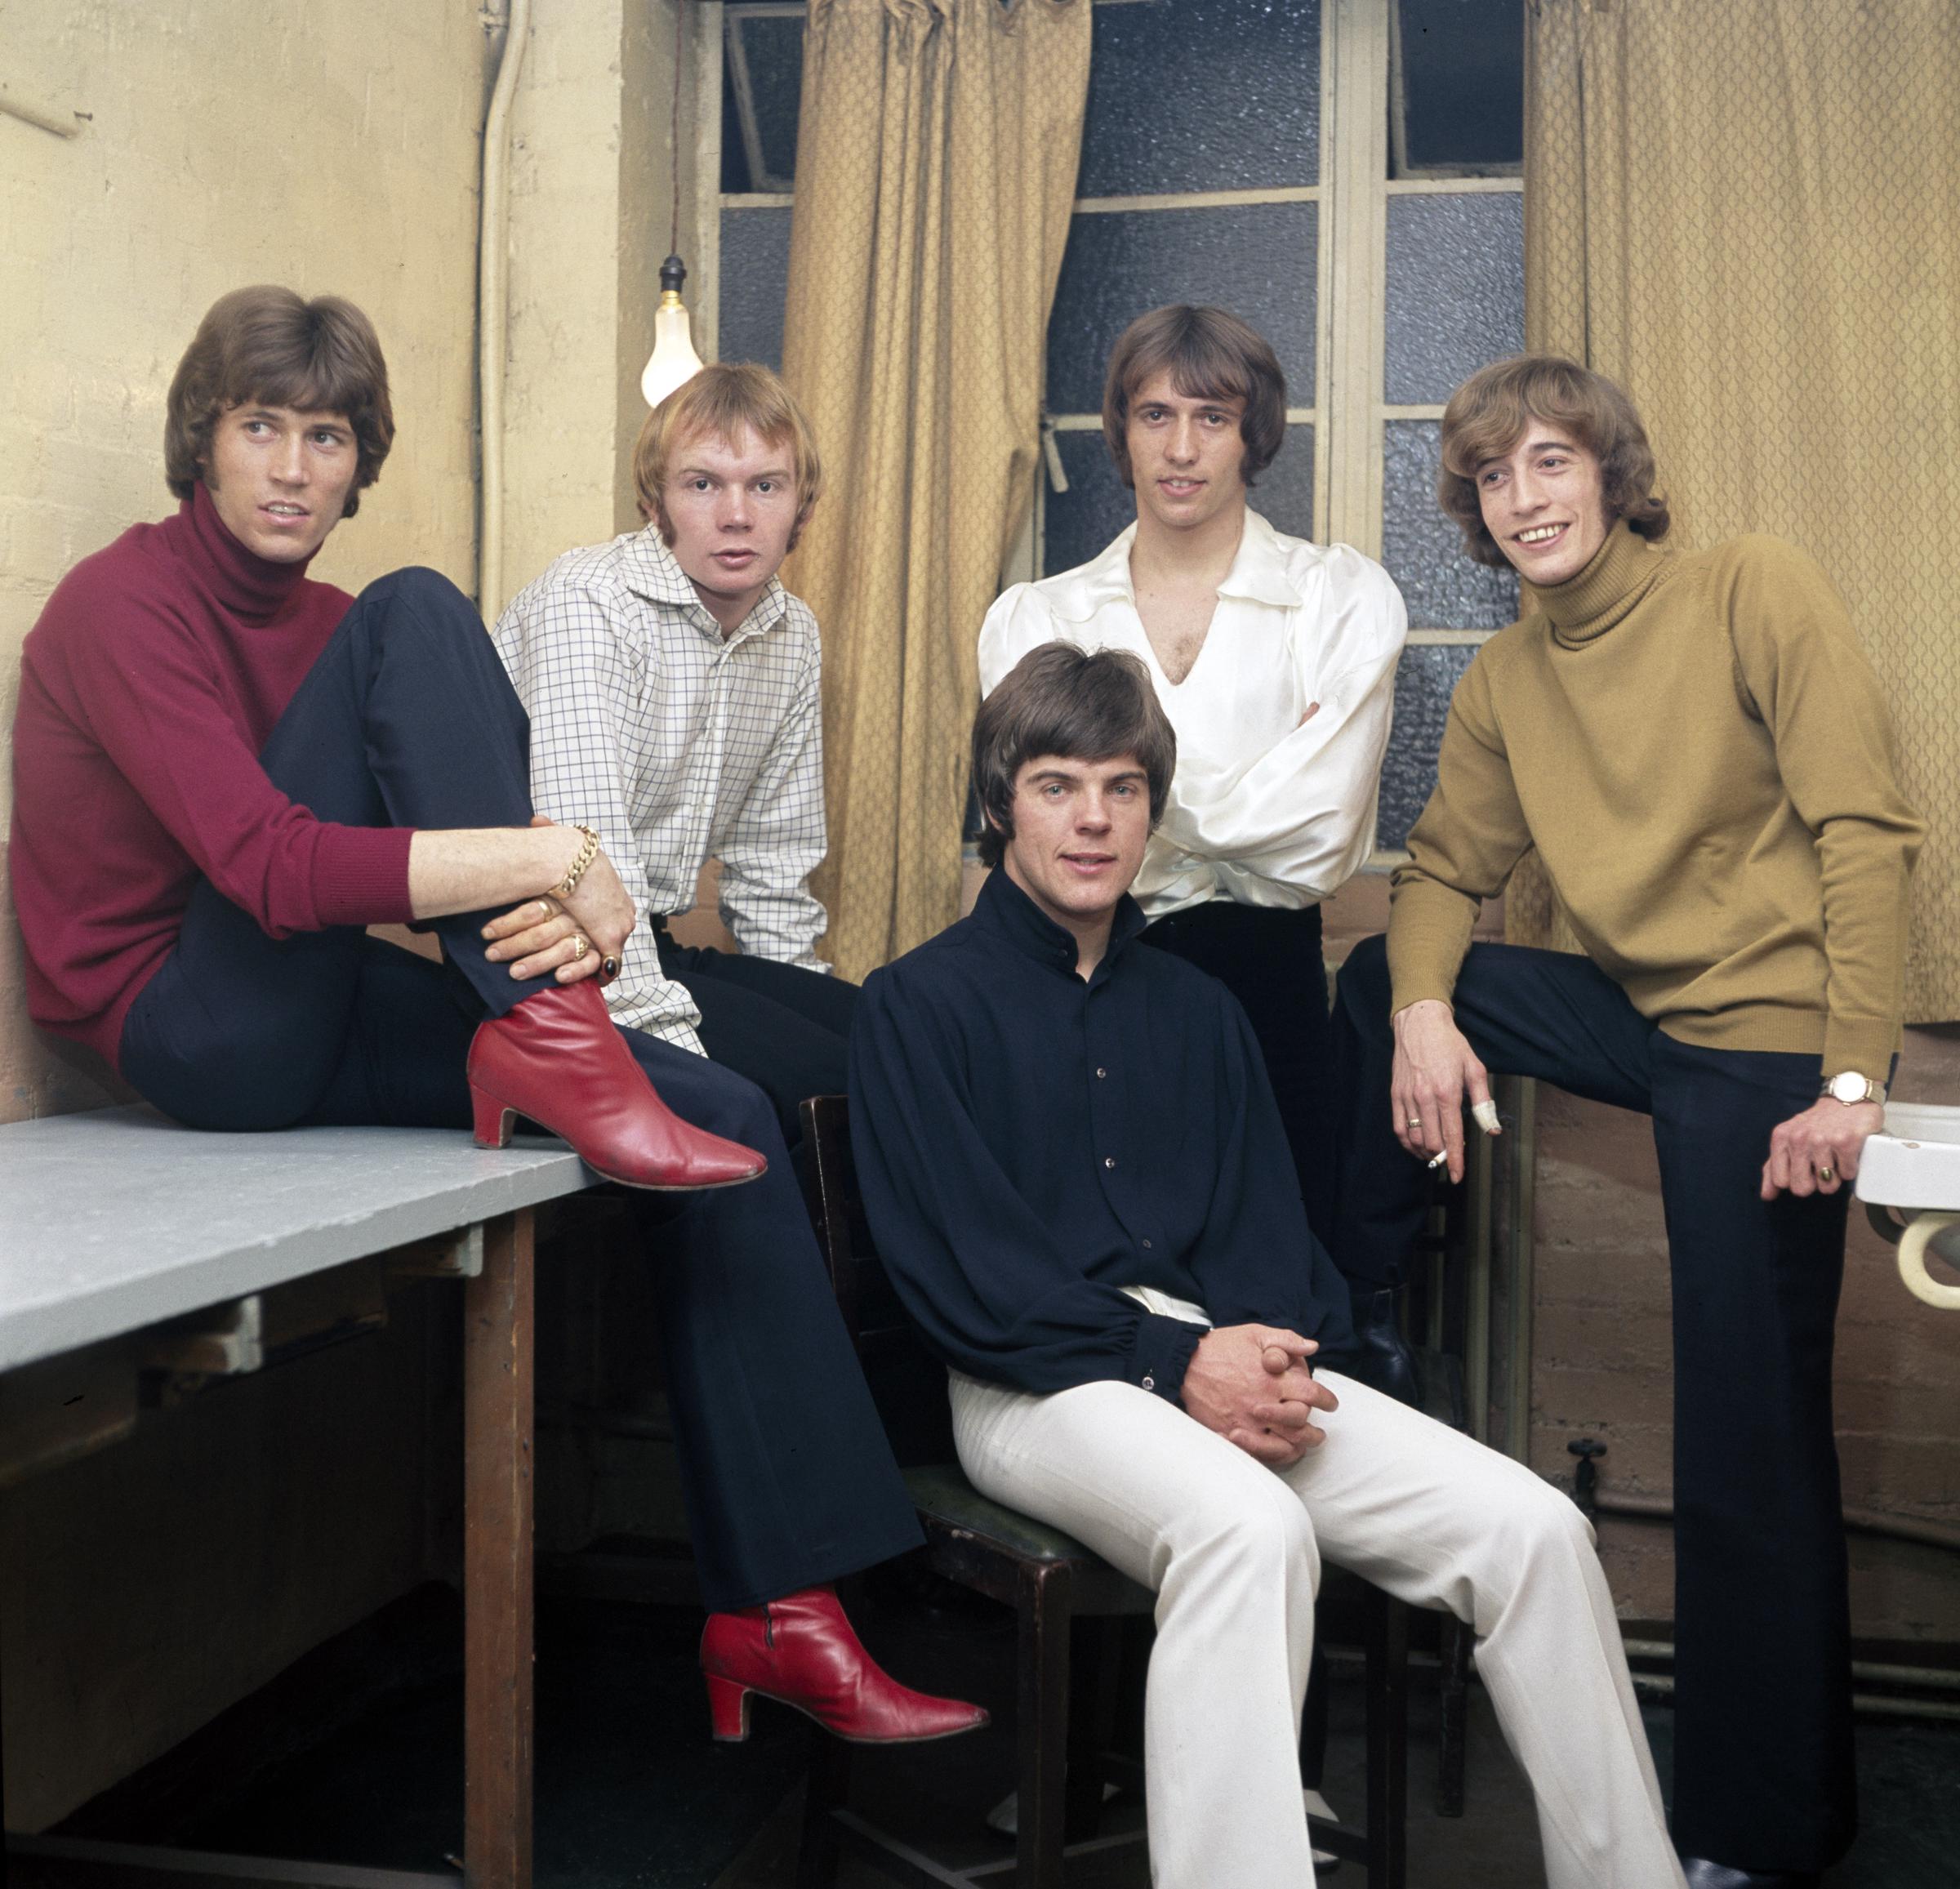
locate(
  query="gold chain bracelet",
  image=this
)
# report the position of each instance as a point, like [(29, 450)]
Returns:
[(587, 854)]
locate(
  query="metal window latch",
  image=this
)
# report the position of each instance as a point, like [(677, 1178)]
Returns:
[(1051, 455)]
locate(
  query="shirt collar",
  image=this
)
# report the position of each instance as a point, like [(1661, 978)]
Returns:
[(1004, 910), (1258, 574), (652, 573)]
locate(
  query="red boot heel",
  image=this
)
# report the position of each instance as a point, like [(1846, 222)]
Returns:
[(493, 1120), (557, 1059), (729, 1708), (801, 1651)]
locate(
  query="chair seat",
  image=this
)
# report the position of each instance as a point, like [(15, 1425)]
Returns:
[(951, 1506), (941, 1493)]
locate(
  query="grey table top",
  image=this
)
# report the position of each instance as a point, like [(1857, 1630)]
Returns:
[(116, 1218)]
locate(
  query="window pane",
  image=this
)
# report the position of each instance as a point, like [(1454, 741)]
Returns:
[(1462, 84), (755, 284), (1456, 289), (762, 93), (1422, 547), (1255, 258), (1193, 95), (1423, 682), (1098, 504)]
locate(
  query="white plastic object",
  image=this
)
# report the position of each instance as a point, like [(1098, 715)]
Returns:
[(1913, 1244)]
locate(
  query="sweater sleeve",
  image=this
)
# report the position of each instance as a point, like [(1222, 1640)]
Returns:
[(152, 704), (974, 1265), (1805, 676), (1461, 852)]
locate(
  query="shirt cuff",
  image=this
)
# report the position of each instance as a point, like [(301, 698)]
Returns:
[(360, 875), (1161, 1354)]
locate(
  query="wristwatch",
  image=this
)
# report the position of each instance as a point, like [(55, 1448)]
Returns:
[(1850, 1089)]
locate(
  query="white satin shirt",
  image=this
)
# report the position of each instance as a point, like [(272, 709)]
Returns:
[(1264, 808)]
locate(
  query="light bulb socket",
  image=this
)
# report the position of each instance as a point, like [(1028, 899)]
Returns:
[(673, 273)]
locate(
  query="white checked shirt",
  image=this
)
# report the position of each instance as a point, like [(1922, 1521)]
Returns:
[(674, 744), (1264, 808)]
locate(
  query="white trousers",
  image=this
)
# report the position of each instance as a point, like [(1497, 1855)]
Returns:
[(1233, 1550)]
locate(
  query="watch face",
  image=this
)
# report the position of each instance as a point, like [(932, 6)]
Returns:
[(1850, 1088)]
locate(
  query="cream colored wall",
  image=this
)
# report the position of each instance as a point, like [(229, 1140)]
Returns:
[(590, 197), (329, 148)]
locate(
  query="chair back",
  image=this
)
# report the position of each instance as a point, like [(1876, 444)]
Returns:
[(908, 1384)]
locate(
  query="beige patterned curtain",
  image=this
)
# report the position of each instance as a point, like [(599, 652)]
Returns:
[(1747, 213), (935, 170)]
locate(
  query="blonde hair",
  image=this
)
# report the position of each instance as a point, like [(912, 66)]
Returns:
[(1488, 415), (718, 401)]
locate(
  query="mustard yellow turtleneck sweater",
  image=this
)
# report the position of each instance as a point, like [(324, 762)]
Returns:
[(1696, 746)]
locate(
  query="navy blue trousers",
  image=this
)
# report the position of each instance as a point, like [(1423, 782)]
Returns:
[(407, 718), (787, 1029), (1269, 958), (1764, 1775)]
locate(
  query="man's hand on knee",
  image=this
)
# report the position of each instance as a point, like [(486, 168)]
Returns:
[(1435, 1068), (1251, 1384)]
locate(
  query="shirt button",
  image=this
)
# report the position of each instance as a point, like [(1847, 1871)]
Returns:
[(1150, 1384), (1109, 1161), (1101, 1073), (1146, 1245)]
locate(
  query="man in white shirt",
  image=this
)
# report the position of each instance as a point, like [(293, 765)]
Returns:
[(1275, 661), (674, 687)]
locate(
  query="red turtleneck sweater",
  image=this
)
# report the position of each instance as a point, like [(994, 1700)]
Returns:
[(148, 687)]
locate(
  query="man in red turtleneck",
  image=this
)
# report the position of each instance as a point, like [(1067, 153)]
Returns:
[(225, 772)]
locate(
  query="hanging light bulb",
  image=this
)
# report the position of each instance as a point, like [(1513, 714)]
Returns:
[(673, 359)]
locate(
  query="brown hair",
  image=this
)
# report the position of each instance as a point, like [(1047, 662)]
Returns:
[(1489, 414), (719, 401), (266, 344), (1209, 355), (1080, 705)]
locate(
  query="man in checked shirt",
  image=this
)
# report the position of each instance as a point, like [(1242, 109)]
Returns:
[(673, 685)]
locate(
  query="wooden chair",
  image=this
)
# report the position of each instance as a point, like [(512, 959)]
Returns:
[(1051, 1582)]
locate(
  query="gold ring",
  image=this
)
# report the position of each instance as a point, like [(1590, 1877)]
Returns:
[(1415, 1121), (579, 947), (1826, 1173)]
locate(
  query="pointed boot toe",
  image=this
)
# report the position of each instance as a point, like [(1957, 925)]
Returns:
[(558, 1059), (800, 1651)]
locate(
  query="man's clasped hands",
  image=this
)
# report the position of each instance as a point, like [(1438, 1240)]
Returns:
[(1251, 1384)]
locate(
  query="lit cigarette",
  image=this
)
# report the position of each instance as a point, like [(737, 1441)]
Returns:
[(1436, 1160)]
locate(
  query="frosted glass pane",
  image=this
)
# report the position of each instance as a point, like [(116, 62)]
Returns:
[(1194, 95), (1098, 504), (1255, 258), (1424, 683), (1422, 547), (1456, 289), (772, 49), (1463, 83), (755, 284)]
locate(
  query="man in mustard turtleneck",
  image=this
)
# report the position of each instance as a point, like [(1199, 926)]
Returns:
[(1697, 747)]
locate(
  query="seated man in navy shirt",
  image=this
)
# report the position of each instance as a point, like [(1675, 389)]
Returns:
[(1077, 1176)]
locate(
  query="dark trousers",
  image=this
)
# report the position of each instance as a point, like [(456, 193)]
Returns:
[(407, 718), (787, 1029), (1763, 1766), (1270, 959)]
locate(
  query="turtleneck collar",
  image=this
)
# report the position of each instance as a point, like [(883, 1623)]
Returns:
[(1585, 607), (244, 585), (1006, 910)]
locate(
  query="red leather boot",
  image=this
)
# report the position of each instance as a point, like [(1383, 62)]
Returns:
[(801, 1649), (557, 1059)]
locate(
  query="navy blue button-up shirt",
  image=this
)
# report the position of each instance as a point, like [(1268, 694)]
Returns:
[(1028, 1144)]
